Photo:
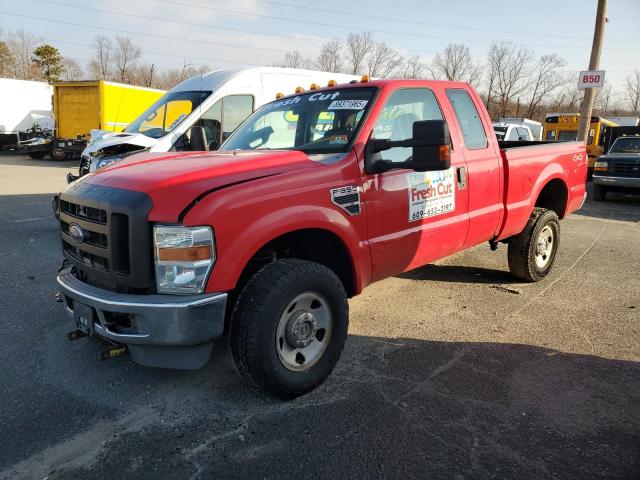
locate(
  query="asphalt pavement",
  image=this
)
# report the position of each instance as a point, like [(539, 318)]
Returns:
[(453, 370)]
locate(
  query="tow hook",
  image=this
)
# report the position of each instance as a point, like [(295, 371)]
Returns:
[(112, 351), (76, 335)]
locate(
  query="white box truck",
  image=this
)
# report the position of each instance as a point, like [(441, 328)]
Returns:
[(25, 106), (215, 103)]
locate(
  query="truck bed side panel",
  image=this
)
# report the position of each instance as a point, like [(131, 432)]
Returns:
[(529, 169)]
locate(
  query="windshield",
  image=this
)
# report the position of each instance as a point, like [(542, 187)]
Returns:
[(567, 135), (320, 122), (626, 145), (166, 113), (500, 132)]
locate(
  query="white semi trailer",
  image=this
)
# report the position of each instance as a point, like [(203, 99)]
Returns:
[(24, 105)]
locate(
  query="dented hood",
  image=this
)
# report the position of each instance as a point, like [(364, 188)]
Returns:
[(174, 180), (103, 140)]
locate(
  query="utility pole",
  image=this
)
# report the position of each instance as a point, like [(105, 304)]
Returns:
[(594, 64)]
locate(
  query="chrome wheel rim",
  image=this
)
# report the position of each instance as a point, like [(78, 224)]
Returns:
[(544, 247), (303, 331)]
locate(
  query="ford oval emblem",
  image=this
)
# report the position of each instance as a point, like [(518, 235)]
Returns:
[(76, 232)]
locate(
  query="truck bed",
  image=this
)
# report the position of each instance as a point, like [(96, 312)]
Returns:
[(529, 168)]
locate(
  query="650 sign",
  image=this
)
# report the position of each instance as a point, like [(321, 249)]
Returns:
[(591, 79)]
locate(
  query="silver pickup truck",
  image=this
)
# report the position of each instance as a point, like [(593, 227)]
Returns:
[(619, 169)]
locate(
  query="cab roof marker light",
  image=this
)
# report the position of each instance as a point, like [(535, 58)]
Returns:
[(299, 89), (314, 86), (279, 95), (332, 83), (364, 78)]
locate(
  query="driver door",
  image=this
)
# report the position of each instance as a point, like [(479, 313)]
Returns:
[(413, 218)]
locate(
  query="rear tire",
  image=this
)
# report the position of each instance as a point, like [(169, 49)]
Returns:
[(58, 155), (289, 326), (599, 193), (532, 252)]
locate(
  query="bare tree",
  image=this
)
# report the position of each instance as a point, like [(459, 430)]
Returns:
[(100, 66), (125, 58), (21, 45), (633, 92), (383, 61), (546, 78), (330, 57), (71, 70), (455, 64), (413, 67), (509, 67), (358, 46), (603, 99), (7, 61), (296, 59)]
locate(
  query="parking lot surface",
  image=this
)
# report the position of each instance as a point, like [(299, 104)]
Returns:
[(454, 370)]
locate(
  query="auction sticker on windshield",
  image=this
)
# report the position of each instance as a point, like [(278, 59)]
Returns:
[(347, 105), (431, 194)]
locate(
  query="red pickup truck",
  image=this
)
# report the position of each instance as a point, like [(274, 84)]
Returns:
[(313, 198)]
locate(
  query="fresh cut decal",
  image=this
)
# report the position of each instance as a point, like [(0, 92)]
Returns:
[(431, 194)]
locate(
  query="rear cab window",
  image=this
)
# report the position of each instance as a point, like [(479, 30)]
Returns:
[(468, 118)]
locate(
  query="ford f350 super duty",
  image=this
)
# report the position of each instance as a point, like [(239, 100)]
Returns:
[(314, 197)]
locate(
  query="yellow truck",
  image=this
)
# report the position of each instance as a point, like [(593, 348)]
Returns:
[(563, 127), (79, 107)]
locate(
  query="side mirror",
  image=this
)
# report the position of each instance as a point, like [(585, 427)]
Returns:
[(431, 146), (198, 139)]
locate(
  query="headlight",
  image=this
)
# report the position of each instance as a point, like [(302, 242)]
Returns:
[(105, 162), (183, 258), (600, 167)]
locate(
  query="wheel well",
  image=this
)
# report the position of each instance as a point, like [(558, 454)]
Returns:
[(317, 245), (554, 197)]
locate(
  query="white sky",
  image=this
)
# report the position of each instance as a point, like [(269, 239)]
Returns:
[(224, 33)]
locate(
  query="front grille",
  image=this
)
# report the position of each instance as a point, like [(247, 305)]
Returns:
[(87, 213), (101, 229), (622, 168)]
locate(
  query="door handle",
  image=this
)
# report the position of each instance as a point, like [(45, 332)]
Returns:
[(461, 174)]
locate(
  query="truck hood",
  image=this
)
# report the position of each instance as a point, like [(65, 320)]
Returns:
[(627, 157), (175, 180)]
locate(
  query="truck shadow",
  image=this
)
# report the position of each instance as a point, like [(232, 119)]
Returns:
[(459, 274), (404, 408)]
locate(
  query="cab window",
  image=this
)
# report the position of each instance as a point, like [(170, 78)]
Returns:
[(468, 119), (395, 122)]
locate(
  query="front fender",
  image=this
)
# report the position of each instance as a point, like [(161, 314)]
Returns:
[(236, 246)]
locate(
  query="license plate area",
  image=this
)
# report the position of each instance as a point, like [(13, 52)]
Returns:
[(84, 316)]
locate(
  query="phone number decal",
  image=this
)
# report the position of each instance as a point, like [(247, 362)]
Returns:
[(431, 194)]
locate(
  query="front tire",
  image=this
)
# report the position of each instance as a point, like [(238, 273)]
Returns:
[(532, 252), (289, 326)]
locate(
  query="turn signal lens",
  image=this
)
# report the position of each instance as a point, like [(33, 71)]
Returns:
[(190, 254), (332, 83), (601, 167), (299, 89), (445, 153), (279, 95), (365, 78), (313, 86)]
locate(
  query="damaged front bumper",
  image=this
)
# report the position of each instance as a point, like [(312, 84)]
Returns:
[(167, 331)]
